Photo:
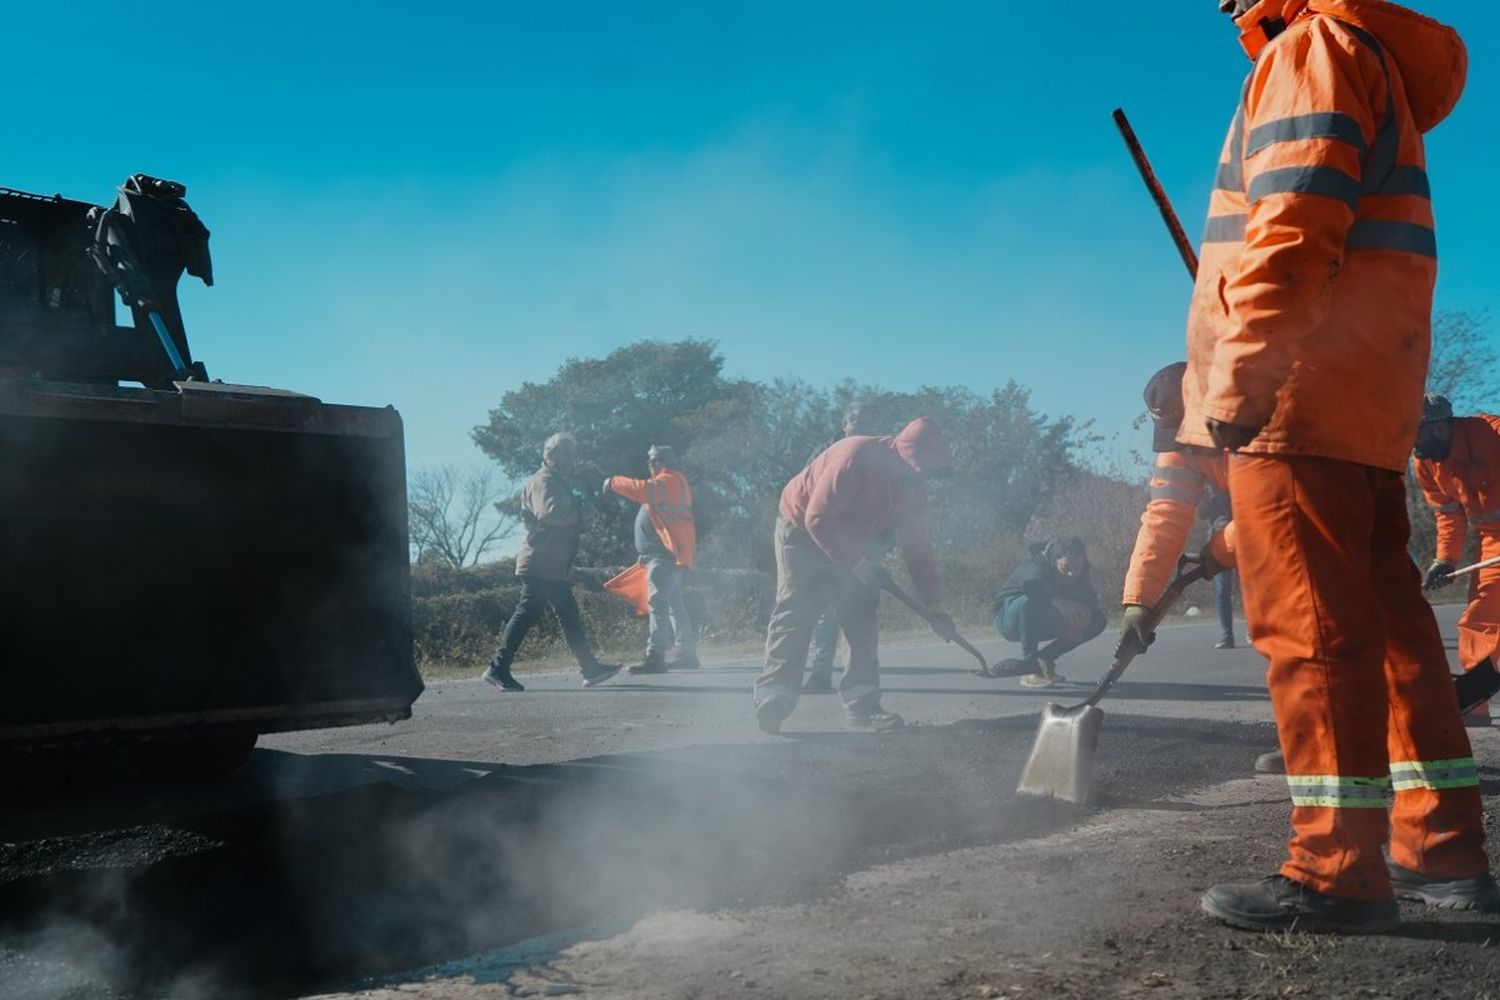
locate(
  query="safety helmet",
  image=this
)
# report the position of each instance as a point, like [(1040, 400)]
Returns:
[(1436, 408)]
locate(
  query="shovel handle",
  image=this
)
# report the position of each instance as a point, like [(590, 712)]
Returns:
[(1466, 570), (889, 586), (1158, 193), (1189, 572)]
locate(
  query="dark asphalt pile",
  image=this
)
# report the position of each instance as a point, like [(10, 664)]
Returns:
[(295, 896)]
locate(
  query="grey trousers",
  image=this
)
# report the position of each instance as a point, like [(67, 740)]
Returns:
[(807, 581), (669, 614)]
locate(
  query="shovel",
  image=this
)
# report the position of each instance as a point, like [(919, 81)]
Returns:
[(1062, 757), (889, 586)]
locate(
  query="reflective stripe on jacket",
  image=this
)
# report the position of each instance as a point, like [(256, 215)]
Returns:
[(1464, 488), (668, 500), (1311, 315), (1178, 483)]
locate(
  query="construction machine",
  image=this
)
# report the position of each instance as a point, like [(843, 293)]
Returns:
[(185, 563)]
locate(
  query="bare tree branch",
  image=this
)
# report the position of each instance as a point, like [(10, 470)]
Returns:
[(452, 512), (1464, 367)]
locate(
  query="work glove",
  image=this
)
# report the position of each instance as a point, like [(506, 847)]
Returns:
[(870, 573), (1134, 625), (1439, 574), (1230, 437), (605, 490), (942, 624)]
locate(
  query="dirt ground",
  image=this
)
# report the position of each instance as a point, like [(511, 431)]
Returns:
[(833, 865)]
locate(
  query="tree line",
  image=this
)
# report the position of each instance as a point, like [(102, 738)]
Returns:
[(740, 440)]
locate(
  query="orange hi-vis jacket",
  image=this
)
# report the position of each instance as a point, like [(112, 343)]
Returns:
[(669, 503), (1464, 488), (1311, 316), (1179, 481)]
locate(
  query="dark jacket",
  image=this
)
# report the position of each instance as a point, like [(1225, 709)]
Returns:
[(1039, 579), (554, 523)]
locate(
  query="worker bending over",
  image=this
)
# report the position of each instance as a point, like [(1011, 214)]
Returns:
[(835, 518), (1458, 468), (1180, 477)]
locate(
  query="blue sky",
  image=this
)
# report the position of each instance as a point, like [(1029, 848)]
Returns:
[(426, 205)]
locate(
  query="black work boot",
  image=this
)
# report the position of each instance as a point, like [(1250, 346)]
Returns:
[(654, 663), (1271, 762), (685, 661), (499, 675), (1477, 892), (1280, 904)]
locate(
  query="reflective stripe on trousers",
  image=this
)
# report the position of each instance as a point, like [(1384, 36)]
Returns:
[(1358, 675)]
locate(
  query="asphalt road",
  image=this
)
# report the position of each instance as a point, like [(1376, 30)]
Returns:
[(565, 840)]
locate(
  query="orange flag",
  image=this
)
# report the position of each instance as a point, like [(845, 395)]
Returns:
[(631, 585)]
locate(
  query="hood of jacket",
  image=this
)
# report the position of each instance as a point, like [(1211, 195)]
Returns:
[(1431, 56), (922, 446)]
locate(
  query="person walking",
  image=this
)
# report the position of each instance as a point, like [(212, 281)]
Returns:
[(1309, 336), (1458, 467), (553, 519), (665, 539), (835, 517)]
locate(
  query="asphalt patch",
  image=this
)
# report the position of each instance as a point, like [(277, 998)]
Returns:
[(294, 896)]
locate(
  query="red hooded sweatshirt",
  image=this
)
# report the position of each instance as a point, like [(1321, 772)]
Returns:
[(865, 489)]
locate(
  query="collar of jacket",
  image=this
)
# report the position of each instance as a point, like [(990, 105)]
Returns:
[(1265, 21)]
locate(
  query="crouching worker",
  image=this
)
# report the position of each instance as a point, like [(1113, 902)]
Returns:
[(554, 522), (1049, 598), (835, 516)]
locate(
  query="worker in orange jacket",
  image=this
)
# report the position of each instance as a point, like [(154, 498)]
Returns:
[(1308, 342), (665, 537), (1180, 477), (1458, 468)]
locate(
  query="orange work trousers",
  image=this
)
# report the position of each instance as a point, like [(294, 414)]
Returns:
[(1479, 625), (1358, 676)]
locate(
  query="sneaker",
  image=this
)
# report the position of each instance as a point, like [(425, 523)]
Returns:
[(502, 678), (818, 684), (769, 715), (599, 673), (1477, 892), (1039, 681), (1280, 904), (877, 719), (1225, 643), (685, 661), (1271, 762), (650, 665)]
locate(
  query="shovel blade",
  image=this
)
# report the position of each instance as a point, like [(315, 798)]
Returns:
[(1062, 758)]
